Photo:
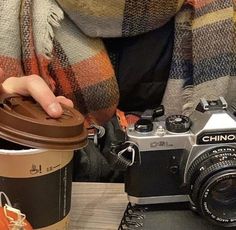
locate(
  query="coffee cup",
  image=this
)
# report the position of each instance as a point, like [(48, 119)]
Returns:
[(36, 159)]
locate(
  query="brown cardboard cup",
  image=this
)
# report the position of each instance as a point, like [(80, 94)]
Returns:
[(36, 160)]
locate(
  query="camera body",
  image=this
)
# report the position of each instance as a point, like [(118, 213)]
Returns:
[(187, 159)]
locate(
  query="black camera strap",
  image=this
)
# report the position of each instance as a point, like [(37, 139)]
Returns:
[(119, 152)]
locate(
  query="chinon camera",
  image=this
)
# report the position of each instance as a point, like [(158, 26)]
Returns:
[(187, 159)]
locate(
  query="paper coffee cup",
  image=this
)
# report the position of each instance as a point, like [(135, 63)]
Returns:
[(36, 155), (38, 182)]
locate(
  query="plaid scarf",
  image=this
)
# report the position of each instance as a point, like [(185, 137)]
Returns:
[(112, 18), (204, 53), (204, 56), (72, 59)]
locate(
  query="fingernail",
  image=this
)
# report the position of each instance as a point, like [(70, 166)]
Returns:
[(54, 109)]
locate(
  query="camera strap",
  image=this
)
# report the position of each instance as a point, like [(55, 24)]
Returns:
[(119, 152)]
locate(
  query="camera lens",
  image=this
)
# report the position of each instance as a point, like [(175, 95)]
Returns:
[(220, 197), (212, 180)]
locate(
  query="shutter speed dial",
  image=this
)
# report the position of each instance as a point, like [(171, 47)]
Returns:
[(178, 123)]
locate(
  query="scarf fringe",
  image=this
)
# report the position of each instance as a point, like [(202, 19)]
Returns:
[(54, 18), (188, 100)]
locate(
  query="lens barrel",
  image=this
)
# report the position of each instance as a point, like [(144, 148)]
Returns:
[(212, 181)]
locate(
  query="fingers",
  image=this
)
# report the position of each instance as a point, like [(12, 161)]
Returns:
[(36, 87), (40, 91), (65, 101)]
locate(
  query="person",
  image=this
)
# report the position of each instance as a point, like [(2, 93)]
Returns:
[(193, 73), (69, 54)]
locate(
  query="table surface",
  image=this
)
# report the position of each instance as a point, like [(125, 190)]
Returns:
[(97, 206), (100, 206)]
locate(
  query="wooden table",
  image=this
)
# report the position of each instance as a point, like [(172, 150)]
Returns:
[(97, 206)]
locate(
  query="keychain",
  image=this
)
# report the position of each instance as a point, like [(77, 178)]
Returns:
[(13, 219)]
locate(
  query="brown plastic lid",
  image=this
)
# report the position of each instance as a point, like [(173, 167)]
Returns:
[(23, 121)]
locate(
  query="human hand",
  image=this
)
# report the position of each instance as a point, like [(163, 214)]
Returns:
[(36, 87)]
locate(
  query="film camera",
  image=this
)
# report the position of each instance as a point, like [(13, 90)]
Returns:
[(187, 159)]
